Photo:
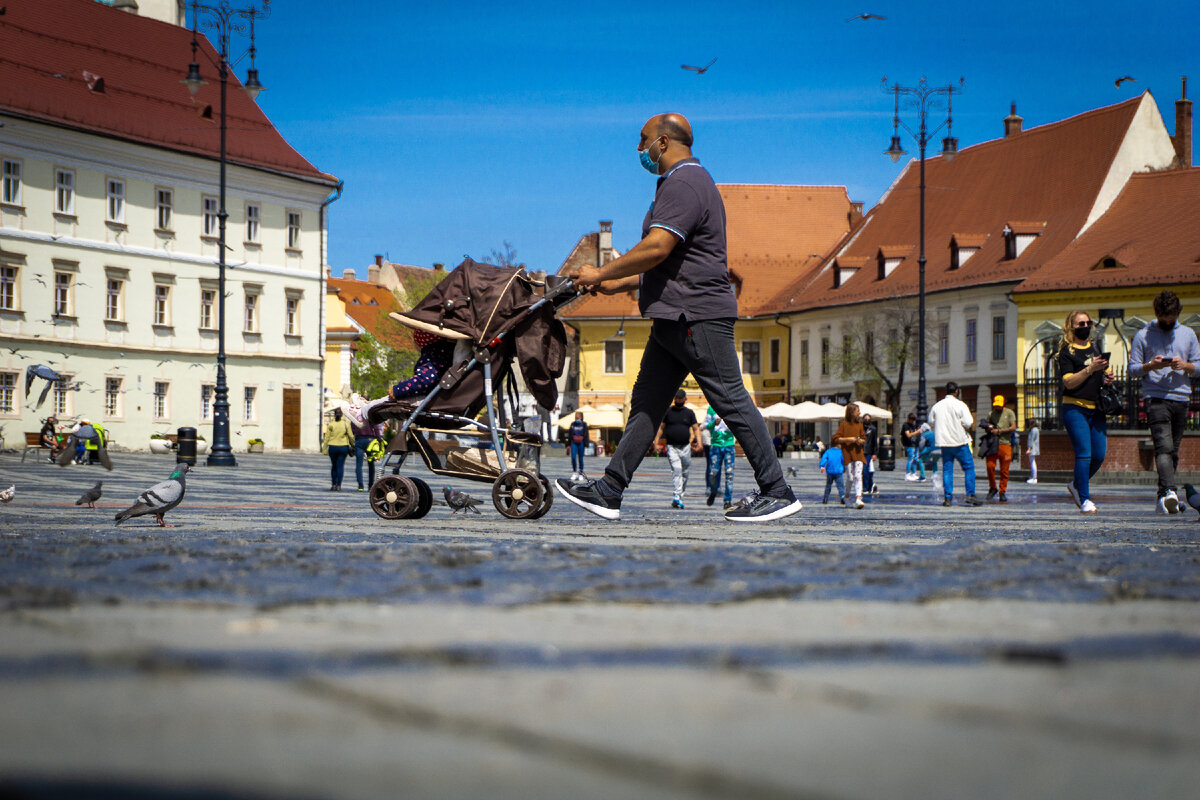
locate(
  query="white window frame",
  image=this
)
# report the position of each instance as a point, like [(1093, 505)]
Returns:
[(619, 356), (208, 309), (114, 207), (291, 316), (11, 186), (164, 208), (8, 393), (210, 221), (253, 223), (250, 309), (64, 192), (114, 299), (208, 396), (10, 285), (113, 407), (64, 295), (250, 404), (162, 304), (294, 229), (162, 400), (751, 357)]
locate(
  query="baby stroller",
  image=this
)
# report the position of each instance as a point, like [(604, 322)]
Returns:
[(495, 315)]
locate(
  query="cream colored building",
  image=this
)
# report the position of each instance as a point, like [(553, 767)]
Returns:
[(108, 244)]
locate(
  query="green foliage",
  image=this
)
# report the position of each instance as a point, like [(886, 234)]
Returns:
[(416, 287), (377, 367)]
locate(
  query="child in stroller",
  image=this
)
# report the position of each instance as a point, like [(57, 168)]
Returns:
[(436, 355)]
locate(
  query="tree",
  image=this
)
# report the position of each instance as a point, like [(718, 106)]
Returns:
[(503, 258), (377, 367), (881, 348)]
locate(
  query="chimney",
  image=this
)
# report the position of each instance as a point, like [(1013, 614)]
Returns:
[(1012, 123), (1183, 129), (604, 248), (439, 267), (856, 213), (348, 275), (374, 270)]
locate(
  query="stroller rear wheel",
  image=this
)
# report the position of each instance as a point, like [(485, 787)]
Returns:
[(394, 496), (518, 494), (424, 499), (547, 498)]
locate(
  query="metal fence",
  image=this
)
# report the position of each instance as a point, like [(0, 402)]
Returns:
[(1042, 393)]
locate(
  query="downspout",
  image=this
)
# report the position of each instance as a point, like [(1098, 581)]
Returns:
[(787, 393), (337, 193)]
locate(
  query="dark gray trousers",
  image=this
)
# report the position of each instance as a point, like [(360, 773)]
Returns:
[(1167, 418), (706, 350)]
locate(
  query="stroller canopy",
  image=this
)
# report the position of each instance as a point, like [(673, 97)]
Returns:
[(477, 302)]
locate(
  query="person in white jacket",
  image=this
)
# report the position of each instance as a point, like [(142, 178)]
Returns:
[(952, 423)]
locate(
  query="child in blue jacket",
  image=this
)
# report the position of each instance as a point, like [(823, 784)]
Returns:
[(833, 467)]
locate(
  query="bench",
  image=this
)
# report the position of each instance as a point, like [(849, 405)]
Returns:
[(33, 442)]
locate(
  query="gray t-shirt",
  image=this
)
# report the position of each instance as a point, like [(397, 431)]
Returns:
[(693, 281)]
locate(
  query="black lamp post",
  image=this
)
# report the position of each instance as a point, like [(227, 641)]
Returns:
[(923, 99), (224, 20)]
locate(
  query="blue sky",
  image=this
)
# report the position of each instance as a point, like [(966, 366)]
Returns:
[(459, 126)]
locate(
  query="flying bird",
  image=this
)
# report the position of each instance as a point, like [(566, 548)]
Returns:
[(90, 497), (1117, 83), (39, 280), (699, 70), (459, 501), (46, 374), (159, 498), (86, 433), (865, 16), (792, 472), (8, 494)]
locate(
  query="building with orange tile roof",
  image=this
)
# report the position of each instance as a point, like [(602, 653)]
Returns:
[(109, 225), (995, 216)]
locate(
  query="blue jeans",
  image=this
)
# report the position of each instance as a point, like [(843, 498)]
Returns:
[(961, 454), (577, 456), (914, 463), (830, 480), (1088, 432), (337, 463), (720, 462), (360, 453)]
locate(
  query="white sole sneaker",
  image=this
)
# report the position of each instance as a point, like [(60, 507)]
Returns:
[(1172, 503), (779, 513)]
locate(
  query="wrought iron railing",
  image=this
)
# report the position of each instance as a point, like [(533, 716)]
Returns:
[(1042, 393)]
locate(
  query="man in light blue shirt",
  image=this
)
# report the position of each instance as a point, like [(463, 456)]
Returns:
[(1165, 353)]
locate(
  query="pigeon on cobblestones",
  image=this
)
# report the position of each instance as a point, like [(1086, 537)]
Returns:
[(8, 494), (460, 501), (159, 498), (90, 496), (1193, 497)]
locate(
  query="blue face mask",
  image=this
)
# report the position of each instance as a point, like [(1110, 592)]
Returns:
[(647, 163)]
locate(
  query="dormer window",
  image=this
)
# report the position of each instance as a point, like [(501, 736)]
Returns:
[(844, 269), (1018, 236), (1109, 262), (963, 246), (888, 258)]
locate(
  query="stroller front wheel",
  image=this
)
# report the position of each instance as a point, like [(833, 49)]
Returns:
[(518, 494), (394, 496)]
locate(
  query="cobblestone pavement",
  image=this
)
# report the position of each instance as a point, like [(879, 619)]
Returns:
[(282, 640)]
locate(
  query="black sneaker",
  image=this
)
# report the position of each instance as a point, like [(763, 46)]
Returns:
[(947, 502), (992, 494), (712, 497), (972, 500), (586, 495), (1003, 497), (755, 507)]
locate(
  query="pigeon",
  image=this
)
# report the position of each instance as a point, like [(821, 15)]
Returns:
[(86, 433), (159, 498), (1192, 496), (46, 374), (460, 501), (8, 494), (792, 472), (865, 16), (699, 70), (1119, 81), (90, 496)]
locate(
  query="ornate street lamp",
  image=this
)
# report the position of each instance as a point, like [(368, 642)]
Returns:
[(224, 20), (924, 98)]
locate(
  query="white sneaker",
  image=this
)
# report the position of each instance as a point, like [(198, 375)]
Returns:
[(1171, 500), (1160, 506), (1074, 494), (858, 503), (1088, 507), (1032, 481)]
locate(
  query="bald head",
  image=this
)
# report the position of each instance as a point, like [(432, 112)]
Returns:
[(673, 125)]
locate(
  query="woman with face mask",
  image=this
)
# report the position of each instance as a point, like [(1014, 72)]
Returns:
[(1082, 369)]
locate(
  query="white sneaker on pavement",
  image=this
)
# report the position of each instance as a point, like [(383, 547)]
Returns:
[(1172, 502), (1088, 507), (1160, 506), (1032, 480)]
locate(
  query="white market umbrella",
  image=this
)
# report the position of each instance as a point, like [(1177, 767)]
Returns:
[(875, 411), (779, 412)]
